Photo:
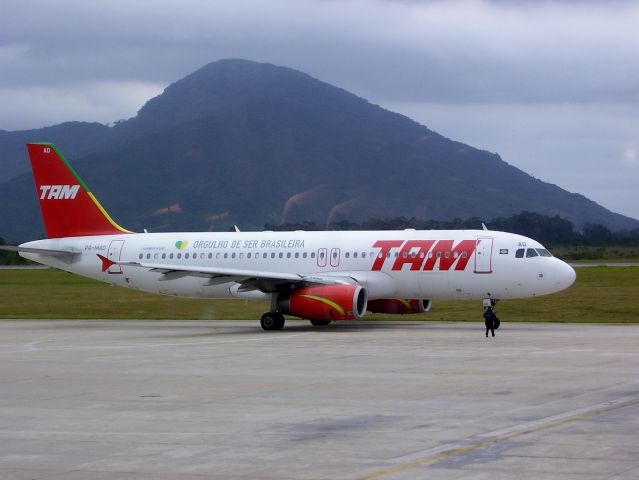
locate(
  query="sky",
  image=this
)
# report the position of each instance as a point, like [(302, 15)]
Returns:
[(551, 86)]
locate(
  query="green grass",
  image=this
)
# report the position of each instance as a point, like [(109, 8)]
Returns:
[(600, 294), (603, 254)]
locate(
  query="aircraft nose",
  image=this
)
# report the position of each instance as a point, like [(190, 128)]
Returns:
[(566, 275)]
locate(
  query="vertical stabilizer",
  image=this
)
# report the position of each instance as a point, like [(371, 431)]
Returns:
[(69, 209)]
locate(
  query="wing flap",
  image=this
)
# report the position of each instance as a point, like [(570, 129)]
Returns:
[(216, 271)]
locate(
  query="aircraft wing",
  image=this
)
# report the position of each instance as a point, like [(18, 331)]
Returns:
[(266, 281), (42, 251)]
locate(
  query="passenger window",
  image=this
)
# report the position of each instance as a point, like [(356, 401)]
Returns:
[(273, 255), (148, 255), (447, 254), (354, 254), (186, 255), (304, 255), (520, 253), (464, 254), (217, 255), (312, 255), (170, 255), (233, 255), (297, 254), (288, 254), (179, 255), (530, 252), (281, 255), (210, 256), (248, 255), (226, 255), (141, 255), (264, 255), (347, 255), (439, 254), (163, 256)]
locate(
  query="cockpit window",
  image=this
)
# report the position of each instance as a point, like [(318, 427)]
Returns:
[(543, 252), (531, 252), (520, 253)]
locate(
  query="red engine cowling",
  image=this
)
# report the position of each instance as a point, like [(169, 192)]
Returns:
[(399, 307), (325, 302)]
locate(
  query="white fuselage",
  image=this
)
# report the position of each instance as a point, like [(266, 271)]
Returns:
[(433, 264)]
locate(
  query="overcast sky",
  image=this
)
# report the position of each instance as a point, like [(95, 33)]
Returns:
[(553, 87)]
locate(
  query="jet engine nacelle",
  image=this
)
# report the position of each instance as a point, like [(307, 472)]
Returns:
[(399, 307), (325, 302)]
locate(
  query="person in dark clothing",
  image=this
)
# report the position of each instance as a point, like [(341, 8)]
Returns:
[(490, 320)]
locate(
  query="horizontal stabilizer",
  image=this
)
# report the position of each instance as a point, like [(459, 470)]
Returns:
[(42, 251)]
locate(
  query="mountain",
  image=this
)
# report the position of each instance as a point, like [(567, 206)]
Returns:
[(253, 143)]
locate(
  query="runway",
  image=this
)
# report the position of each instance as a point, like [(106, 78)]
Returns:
[(401, 400)]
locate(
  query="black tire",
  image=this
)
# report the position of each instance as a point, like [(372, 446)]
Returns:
[(272, 321), (320, 323)]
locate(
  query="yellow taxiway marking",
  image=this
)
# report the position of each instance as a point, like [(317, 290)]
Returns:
[(492, 438)]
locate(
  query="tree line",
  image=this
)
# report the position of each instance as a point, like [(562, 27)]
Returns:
[(551, 231)]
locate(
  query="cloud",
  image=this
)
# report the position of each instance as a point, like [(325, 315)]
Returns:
[(630, 156), (100, 101), (461, 51)]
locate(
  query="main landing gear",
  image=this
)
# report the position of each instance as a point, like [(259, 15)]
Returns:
[(272, 321), (490, 318)]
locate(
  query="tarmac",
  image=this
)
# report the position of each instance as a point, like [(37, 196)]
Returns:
[(397, 400)]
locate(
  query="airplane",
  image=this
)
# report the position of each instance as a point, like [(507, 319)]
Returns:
[(318, 276)]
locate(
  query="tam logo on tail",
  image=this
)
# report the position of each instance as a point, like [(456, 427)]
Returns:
[(56, 182), (58, 192)]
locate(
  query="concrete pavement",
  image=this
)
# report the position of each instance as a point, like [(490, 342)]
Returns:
[(206, 399)]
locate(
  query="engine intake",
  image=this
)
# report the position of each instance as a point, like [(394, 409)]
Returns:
[(325, 302)]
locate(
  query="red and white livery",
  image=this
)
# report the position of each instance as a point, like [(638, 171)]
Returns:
[(319, 276)]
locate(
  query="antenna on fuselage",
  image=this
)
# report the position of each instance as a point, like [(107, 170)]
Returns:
[(483, 226)]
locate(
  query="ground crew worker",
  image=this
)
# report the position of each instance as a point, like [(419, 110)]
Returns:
[(490, 320)]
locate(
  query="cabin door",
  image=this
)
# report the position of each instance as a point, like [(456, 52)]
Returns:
[(483, 255)]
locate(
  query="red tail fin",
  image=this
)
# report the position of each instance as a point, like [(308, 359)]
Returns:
[(69, 209)]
